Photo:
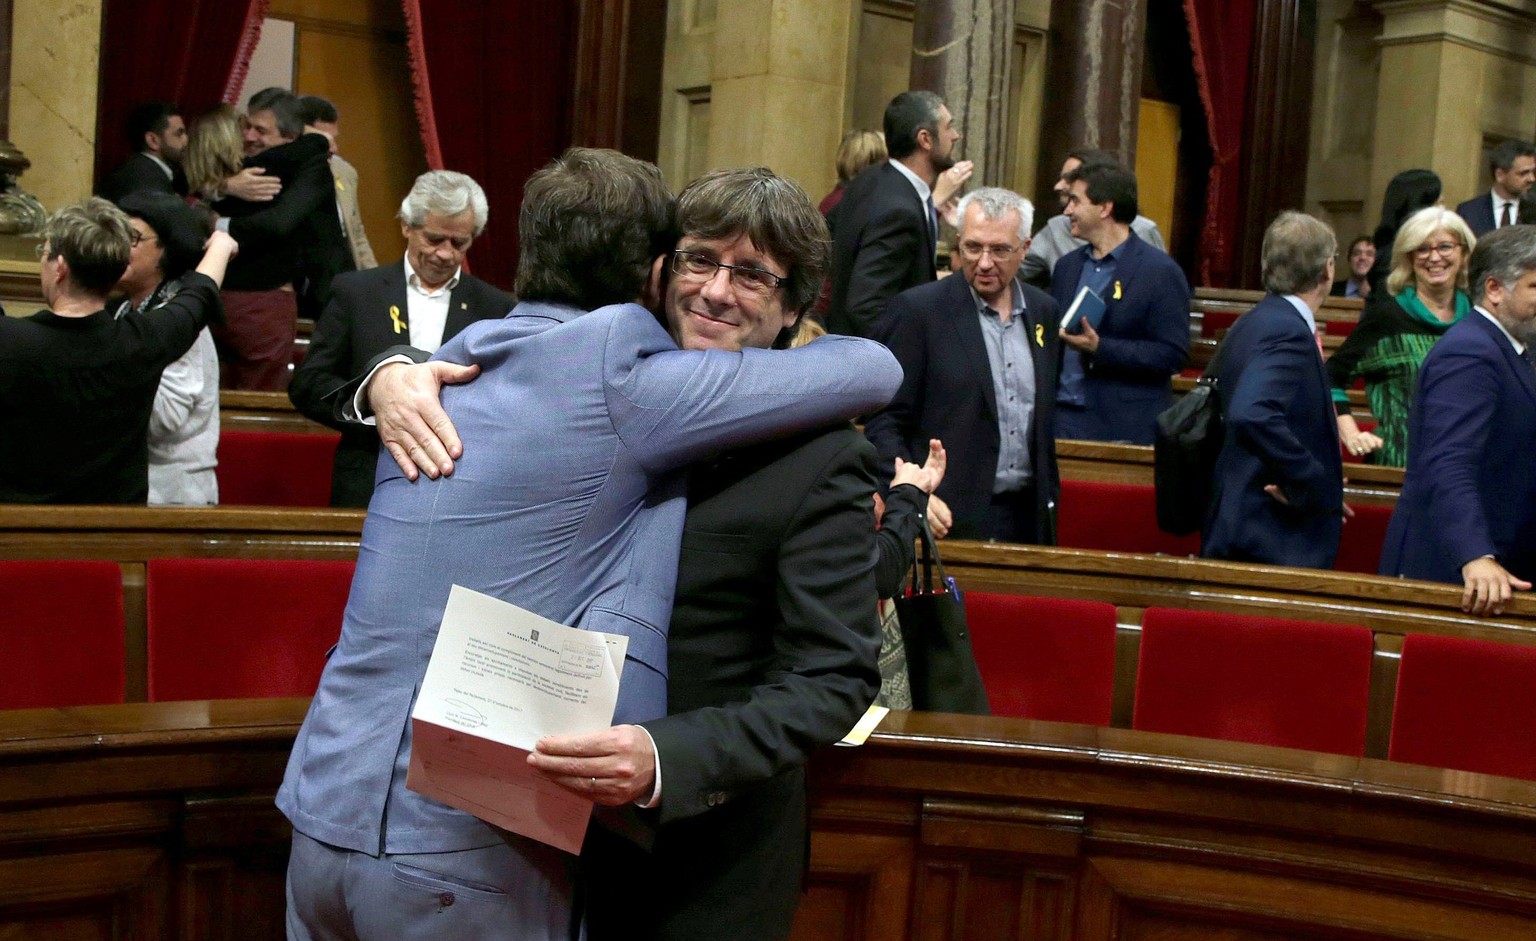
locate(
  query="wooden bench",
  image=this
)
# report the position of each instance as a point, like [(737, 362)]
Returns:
[(263, 411), (157, 821)]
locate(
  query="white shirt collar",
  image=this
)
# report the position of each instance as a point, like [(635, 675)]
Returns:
[(1519, 347), (169, 173), (1304, 310), (924, 191), (413, 281)]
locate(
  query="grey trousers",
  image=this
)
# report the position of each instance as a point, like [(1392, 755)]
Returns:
[(518, 891)]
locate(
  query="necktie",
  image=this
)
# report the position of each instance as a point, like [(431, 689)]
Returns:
[(1530, 360), (933, 221), (1506, 220)]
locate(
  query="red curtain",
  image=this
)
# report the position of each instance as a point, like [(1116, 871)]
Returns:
[(191, 52), (492, 84), (1221, 33)]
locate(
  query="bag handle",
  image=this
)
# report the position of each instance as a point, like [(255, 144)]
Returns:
[(930, 561)]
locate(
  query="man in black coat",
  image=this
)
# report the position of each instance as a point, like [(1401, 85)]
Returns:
[(158, 135), (979, 354), (422, 302), (1512, 165), (885, 230)]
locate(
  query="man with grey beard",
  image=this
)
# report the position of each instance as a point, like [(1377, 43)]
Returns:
[(1468, 509)]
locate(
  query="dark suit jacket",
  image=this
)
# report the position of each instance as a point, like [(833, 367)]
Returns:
[(1470, 487), (1477, 213), (1143, 340), (296, 238), (772, 654), (948, 393), (355, 328), (1280, 429), (140, 173), (881, 245)]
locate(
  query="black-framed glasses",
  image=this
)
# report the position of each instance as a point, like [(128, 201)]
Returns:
[(138, 238), (41, 250), (696, 267)]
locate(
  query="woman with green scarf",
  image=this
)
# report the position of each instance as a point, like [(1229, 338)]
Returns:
[(1426, 293)]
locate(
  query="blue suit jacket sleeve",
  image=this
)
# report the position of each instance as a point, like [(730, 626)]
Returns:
[(1256, 415), (1458, 397)]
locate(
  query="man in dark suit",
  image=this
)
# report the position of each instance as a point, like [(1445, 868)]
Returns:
[(979, 354), (1468, 508), (158, 135), (291, 247), (773, 641), (1278, 493), (1513, 166), (1116, 378), (424, 301), (885, 230)]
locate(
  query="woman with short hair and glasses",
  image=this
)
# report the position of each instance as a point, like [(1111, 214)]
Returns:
[(1425, 293)]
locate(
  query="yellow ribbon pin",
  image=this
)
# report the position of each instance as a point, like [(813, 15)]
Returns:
[(394, 316), (1117, 290), (1040, 335)]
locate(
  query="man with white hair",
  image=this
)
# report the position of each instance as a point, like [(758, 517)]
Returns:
[(421, 302), (980, 353)]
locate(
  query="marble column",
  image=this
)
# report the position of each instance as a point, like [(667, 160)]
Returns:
[(1094, 76), (960, 51), (55, 60), (778, 87)]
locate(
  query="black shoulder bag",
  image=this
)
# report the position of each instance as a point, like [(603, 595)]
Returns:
[(940, 661)]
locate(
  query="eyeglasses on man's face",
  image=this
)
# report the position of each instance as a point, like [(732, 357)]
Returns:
[(696, 267), (139, 238), (972, 251)]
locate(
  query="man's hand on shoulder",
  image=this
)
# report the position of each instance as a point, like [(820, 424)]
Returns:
[(411, 421), (616, 766)]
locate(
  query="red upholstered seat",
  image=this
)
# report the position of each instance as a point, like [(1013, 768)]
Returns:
[(1213, 322), (271, 468), (1115, 518), (1044, 658), (1339, 328), (1297, 684), (1360, 540), (240, 628), (61, 640), (1466, 704)]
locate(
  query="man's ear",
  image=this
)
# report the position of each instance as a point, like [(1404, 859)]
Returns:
[(152, 142), (655, 294)]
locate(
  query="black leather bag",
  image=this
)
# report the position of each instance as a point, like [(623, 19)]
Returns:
[(1186, 443), (940, 662)]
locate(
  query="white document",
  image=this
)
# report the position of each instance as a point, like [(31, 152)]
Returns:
[(500, 679)]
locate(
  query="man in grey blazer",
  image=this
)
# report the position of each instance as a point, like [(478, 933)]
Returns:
[(568, 505)]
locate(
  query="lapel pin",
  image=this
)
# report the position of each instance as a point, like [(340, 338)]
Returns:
[(463, 305), (1040, 335), (394, 316), (1117, 291)]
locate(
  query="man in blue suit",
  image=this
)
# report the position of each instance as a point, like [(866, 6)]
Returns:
[(1468, 508), (568, 505), (1513, 166), (1278, 494), (1116, 378)]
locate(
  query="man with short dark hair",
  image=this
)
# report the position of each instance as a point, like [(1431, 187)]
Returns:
[(978, 355), (1468, 508), (1117, 377), (567, 502), (885, 231), (1361, 259), (1055, 238), (292, 247), (423, 302), (77, 384), (321, 115), (1512, 164), (1278, 494), (157, 135)]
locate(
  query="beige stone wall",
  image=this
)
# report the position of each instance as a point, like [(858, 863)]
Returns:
[(55, 50), (777, 82)]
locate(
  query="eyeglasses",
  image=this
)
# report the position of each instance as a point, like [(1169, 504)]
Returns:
[(41, 250), (1444, 249), (138, 238), (972, 251), (696, 267)]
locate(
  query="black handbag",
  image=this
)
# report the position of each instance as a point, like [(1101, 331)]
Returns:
[(940, 662), (1185, 446)]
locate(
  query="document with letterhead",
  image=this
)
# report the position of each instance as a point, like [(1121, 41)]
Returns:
[(500, 679)]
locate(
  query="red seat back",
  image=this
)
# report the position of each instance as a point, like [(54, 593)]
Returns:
[(272, 468), (1044, 658), (1115, 518), (1466, 704), (1297, 684), (239, 628), (61, 640), (1213, 322), (1361, 539)]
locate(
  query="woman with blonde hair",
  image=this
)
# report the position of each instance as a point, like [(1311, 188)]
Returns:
[(215, 152), (859, 150), (1425, 293)]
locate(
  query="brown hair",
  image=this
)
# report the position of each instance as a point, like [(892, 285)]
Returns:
[(773, 212), (214, 151), (590, 225), (93, 237), (859, 150)]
